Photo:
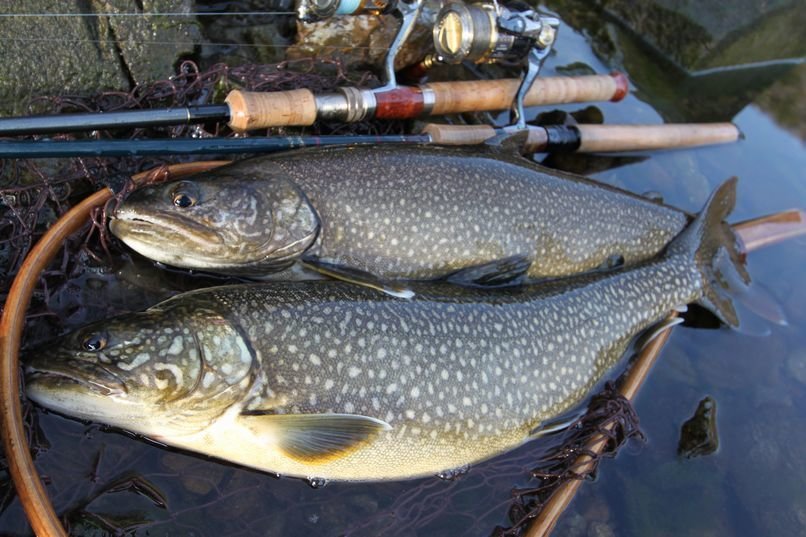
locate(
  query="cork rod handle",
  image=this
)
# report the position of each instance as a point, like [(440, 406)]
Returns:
[(604, 138), (470, 96), (253, 110)]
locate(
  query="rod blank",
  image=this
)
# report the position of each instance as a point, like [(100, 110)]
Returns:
[(187, 146), (52, 124)]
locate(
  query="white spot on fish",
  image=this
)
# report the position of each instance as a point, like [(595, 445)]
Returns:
[(139, 360), (177, 345), (208, 379)]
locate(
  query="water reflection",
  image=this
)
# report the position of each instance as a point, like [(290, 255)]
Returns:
[(752, 486)]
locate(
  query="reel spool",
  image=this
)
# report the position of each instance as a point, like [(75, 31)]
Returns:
[(486, 32)]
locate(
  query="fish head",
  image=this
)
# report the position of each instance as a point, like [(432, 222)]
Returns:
[(221, 223), (160, 373)]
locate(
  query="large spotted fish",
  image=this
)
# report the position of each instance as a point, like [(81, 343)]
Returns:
[(331, 380), (393, 213)]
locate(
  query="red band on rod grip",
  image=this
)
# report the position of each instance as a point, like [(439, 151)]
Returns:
[(622, 86), (400, 103)]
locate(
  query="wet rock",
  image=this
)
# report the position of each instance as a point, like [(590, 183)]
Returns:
[(54, 55), (660, 42), (699, 435), (362, 41), (50, 55), (784, 101), (705, 34), (242, 39), (150, 45), (583, 14)]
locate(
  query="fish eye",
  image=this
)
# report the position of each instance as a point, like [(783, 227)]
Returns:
[(182, 200), (184, 196), (94, 342)]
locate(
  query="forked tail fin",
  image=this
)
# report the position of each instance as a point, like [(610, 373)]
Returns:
[(716, 253)]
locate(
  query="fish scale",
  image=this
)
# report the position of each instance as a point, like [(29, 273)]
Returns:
[(449, 209), (336, 381), (394, 212), (457, 375)]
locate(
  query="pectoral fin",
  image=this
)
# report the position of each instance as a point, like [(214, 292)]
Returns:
[(357, 277), (315, 437), (498, 272)]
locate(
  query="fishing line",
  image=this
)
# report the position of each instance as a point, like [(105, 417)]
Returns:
[(150, 14), (185, 43)]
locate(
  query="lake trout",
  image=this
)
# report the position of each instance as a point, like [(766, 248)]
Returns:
[(392, 212), (331, 380)]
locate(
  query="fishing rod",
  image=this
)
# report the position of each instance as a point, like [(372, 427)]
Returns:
[(479, 33), (189, 146), (246, 111), (554, 138)]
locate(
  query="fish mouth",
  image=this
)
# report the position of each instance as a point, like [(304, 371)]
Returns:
[(154, 227), (102, 381)]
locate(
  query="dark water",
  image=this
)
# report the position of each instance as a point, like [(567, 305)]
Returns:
[(753, 485)]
